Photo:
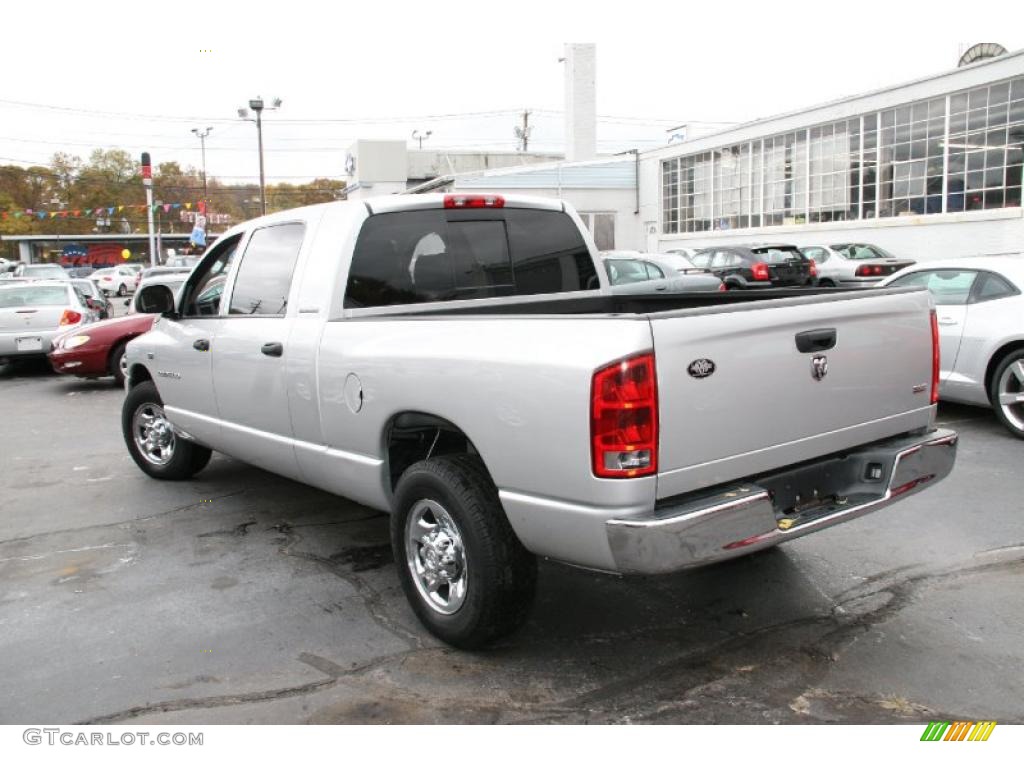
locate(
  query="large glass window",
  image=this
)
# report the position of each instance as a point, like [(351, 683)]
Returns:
[(265, 275), (896, 162)]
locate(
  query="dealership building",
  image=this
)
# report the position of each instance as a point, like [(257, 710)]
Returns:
[(926, 169)]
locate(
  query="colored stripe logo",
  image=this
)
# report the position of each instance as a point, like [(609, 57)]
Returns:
[(961, 730)]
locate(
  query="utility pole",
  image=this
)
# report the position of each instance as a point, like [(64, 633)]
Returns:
[(523, 132)]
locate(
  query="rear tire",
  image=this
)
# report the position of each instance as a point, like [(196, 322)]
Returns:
[(467, 576), (152, 443), (826, 283), (1008, 385)]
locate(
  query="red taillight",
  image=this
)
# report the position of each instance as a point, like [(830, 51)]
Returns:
[(70, 317), (624, 418), (935, 358), (474, 201), (814, 268), (760, 270), (867, 270)]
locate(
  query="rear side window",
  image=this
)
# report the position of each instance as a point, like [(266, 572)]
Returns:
[(990, 286), (265, 274), (420, 256)]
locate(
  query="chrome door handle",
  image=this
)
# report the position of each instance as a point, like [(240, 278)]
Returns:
[(947, 321)]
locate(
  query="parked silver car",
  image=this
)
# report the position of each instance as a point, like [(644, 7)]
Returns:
[(980, 321), (853, 264), (33, 314), (636, 272)]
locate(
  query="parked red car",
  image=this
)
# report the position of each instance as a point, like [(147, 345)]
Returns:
[(98, 349)]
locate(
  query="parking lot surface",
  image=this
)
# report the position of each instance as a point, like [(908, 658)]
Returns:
[(241, 597)]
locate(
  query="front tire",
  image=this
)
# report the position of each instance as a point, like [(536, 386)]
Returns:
[(467, 576), (151, 440), (118, 365), (1006, 392)]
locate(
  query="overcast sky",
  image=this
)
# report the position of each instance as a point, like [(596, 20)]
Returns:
[(138, 76)]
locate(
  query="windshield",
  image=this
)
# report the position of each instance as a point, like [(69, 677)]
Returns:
[(34, 296), (861, 251)]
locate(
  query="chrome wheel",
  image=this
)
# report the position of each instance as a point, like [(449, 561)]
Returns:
[(122, 364), (153, 434), (1011, 394), (436, 556)]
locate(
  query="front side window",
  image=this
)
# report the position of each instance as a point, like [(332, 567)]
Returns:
[(203, 292), (265, 274), (949, 287)]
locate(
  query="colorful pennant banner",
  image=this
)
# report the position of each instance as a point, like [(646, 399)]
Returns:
[(88, 213)]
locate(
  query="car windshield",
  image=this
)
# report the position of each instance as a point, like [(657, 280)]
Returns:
[(44, 270), (33, 296), (859, 251)]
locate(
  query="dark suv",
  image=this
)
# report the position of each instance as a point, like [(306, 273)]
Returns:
[(757, 266)]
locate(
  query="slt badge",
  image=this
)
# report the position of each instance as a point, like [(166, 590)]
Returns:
[(819, 367)]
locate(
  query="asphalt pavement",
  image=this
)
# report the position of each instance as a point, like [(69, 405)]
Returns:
[(240, 597)]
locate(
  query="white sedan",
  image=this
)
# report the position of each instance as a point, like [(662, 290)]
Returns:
[(120, 280), (980, 311)]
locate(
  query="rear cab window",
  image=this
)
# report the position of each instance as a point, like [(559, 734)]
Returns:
[(410, 257)]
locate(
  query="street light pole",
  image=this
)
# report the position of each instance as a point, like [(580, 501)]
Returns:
[(202, 143), (259, 140), (257, 106)]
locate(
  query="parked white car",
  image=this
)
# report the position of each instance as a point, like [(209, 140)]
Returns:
[(853, 265), (980, 314), (636, 272), (119, 280)]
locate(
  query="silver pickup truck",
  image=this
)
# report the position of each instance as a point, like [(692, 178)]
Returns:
[(460, 362)]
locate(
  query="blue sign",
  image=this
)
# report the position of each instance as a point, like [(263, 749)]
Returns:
[(198, 237)]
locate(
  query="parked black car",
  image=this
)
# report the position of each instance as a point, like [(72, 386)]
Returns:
[(757, 266)]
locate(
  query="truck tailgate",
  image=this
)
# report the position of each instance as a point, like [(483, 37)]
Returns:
[(736, 396)]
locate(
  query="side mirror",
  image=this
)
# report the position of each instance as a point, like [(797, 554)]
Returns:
[(156, 300)]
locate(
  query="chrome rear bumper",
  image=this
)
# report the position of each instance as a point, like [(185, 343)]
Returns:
[(748, 516)]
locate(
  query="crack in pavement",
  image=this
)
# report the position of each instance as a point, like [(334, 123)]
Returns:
[(227, 700), (133, 521)]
